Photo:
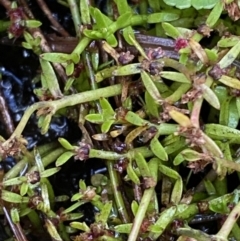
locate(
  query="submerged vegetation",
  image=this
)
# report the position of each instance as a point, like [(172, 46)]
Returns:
[(153, 86)]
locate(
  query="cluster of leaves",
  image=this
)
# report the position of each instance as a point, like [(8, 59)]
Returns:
[(167, 114)]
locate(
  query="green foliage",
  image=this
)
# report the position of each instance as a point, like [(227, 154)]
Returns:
[(155, 110)]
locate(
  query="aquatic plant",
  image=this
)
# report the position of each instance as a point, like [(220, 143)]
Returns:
[(154, 88)]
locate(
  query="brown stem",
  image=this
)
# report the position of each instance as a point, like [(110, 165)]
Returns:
[(16, 228), (5, 116), (56, 26)]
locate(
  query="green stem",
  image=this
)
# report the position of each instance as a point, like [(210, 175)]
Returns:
[(109, 155), (70, 100), (196, 112), (75, 15), (146, 199), (229, 223), (82, 45), (117, 193)]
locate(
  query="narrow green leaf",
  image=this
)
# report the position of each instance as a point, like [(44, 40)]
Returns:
[(123, 228), (220, 204), (220, 132), (65, 144), (82, 185), (105, 127), (50, 77), (132, 175), (161, 224), (227, 42), (180, 118), (171, 31), (212, 55), (168, 171), (102, 21), (210, 96), (24, 188), (135, 119), (204, 4), (209, 187), (26, 45), (111, 40), (123, 19), (12, 181), (233, 116), (32, 23), (64, 158), (163, 16), (76, 197), (150, 86), (178, 159), (238, 105), (142, 165), (52, 230), (215, 14), (151, 106), (179, 4), (14, 215), (106, 107), (175, 76), (230, 56), (211, 146), (177, 191), (191, 155), (95, 118), (12, 197), (81, 226), (224, 112), (25, 212), (129, 69), (73, 216), (102, 217), (73, 207), (134, 207), (56, 57), (49, 172), (38, 160), (45, 197), (158, 149), (70, 69)]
